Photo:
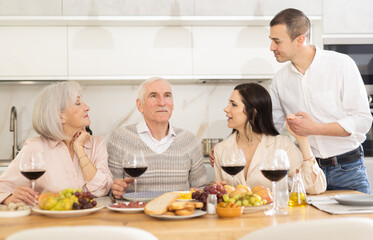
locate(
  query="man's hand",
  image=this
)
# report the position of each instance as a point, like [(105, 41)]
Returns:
[(302, 125), (120, 186), (22, 194)]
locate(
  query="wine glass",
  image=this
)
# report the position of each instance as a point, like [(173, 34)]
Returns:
[(134, 165), (274, 169), (234, 163), (32, 166)]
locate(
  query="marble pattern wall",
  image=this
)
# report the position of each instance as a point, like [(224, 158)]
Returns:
[(198, 108)]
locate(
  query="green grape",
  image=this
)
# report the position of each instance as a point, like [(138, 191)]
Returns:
[(226, 197), (258, 198), (245, 202)]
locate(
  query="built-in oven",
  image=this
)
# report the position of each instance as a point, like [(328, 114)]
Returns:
[(359, 48)]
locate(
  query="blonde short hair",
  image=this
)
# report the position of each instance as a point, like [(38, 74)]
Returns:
[(142, 88), (53, 100)]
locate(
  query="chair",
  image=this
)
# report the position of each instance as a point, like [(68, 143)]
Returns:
[(328, 229), (83, 232)]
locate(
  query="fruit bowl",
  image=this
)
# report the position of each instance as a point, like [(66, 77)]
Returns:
[(229, 212)]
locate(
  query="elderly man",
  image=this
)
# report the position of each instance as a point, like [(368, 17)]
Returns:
[(173, 155)]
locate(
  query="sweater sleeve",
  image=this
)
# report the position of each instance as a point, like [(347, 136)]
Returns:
[(114, 149), (198, 174)]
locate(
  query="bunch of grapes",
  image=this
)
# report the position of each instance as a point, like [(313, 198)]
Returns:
[(85, 201), (213, 188)]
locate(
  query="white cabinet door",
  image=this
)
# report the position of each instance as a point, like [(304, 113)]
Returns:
[(346, 16), (33, 52), (232, 51), (129, 51)]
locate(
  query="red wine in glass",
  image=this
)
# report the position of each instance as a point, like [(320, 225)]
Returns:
[(134, 164), (233, 170), (32, 166), (274, 175), (33, 174), (135, 171), (275, 167), (233, 164)]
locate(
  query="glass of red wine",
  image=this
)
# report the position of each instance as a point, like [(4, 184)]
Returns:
[(274, 169), (134, 165), (233, 163), (32, 166)]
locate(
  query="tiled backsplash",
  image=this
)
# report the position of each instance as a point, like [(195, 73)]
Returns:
[(198, 108)]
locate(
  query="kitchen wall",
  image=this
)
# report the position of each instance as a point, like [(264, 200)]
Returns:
[(198, 108), (34, 47)]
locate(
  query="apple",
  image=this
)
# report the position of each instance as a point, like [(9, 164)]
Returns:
[(229, 188), (47, 200), (263, 192)]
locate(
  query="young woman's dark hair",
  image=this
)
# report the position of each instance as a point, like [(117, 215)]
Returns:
[(258, 108), (88, 130)]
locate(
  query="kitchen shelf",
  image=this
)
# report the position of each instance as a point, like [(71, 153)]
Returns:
[(138, 20), (104, 80)]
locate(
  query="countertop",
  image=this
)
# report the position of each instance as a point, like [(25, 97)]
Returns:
[(208, 226)]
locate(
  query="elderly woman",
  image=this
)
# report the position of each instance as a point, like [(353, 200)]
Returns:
[(74, 159), (249, 114)]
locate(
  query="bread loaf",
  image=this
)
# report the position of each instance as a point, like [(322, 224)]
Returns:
[(159, 205)]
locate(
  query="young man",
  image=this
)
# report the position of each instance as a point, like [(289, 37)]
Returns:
[(173, 155), (326, 91)]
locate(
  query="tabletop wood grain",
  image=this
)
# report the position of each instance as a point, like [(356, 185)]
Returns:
[(208, 226)]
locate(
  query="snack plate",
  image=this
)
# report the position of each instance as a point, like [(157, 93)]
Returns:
[(14, 214), (354, 199), (69, 213), (124, 210), (141, 196), (250, 209), (183, 200), (197, 213)]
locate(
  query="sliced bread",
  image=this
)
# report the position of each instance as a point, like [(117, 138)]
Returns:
[(159, 205)]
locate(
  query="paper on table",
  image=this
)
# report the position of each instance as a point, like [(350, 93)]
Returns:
[(329, 205)]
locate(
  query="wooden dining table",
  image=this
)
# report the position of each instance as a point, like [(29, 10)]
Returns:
[(208, 226)]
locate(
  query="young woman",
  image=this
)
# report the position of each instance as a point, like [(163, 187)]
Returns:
[(249, 114)]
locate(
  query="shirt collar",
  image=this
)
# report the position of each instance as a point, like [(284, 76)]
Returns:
[(231, 141), (142, 127), (314, 61), (54, 143)]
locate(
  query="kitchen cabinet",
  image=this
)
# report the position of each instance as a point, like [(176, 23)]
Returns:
[(346, 16), (129, 51), (33, 52), (239, 51)]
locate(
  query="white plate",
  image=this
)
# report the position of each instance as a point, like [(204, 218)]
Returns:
[(250, 209), (197, 213), (141, 196), (124, 210), (13, 214), (354, 199), (69, 213), (83, 232)]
